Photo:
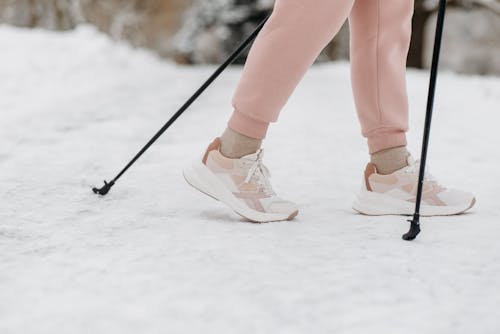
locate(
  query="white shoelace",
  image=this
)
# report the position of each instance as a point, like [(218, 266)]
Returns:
[(414, 168), (259, 172)]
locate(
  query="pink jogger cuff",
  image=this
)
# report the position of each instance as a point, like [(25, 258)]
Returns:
[(383, 140), (248, 126)]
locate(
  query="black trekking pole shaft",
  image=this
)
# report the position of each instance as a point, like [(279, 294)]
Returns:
[(415, 222), (108, 185)]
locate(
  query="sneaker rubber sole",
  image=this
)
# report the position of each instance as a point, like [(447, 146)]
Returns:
[(375, 204)]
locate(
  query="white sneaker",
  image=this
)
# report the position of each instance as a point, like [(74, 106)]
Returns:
[(395, 194), (242, 184)]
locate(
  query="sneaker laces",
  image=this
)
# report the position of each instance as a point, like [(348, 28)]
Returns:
[(259, 172), (414, 168)]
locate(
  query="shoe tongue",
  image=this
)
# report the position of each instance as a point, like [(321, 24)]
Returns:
[(254, 156)]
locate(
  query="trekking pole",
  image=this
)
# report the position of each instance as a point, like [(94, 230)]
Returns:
[(108, 185), (415, 222)]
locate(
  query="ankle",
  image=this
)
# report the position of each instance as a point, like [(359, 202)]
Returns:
[(235, 145), (390, 160)]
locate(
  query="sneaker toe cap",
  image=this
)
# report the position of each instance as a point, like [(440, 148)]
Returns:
[(282, 206), (458, 198)]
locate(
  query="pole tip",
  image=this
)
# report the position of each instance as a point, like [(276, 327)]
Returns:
[(414, 229), (105, 189)]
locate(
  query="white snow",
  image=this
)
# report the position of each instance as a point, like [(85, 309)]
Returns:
[(155, 256)]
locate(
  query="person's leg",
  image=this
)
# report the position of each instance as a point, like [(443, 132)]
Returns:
[(380, 39), (287, 46)]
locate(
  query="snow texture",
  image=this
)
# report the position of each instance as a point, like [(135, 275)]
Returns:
[(155, 256)]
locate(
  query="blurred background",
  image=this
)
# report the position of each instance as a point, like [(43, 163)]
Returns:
[(205, 31)]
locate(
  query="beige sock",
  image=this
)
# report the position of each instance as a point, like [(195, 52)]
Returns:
[(390, 160), (234, 145)]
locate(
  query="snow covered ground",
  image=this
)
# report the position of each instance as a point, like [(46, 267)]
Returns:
[(154, 256)]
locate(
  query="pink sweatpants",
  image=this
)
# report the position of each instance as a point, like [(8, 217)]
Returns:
[(292, 39)]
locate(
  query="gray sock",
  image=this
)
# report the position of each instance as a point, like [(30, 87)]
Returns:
[(234, 145), (390, 160)]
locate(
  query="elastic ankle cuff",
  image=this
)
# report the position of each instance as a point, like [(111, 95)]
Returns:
[(385, 140), (248, 126)]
